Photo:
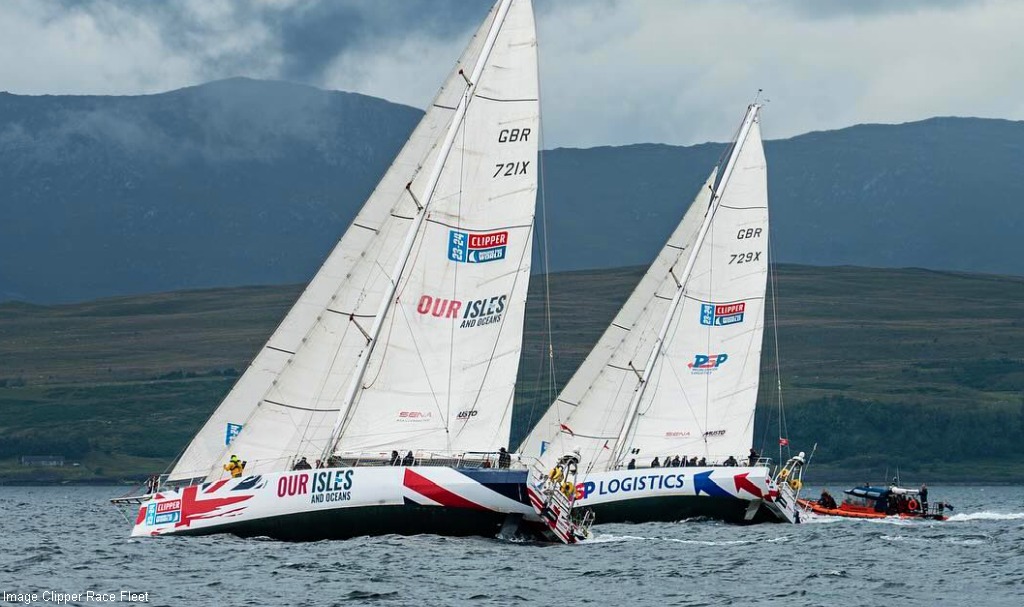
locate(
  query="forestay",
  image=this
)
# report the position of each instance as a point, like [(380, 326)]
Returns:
[(442, 373), (701, 391)]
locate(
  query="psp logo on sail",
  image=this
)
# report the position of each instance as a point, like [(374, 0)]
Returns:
[(467, 247), (707, 363), (720, 315)]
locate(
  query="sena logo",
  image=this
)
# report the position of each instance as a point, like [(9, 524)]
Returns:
[(467, 414), (707, 363), (677, 434), (414, 416)]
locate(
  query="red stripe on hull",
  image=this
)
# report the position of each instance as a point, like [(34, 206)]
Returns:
[(429, 489)]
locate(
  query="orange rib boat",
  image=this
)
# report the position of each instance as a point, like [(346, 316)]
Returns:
[(878, 502)]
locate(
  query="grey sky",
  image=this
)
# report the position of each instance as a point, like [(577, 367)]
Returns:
[(612, 72)]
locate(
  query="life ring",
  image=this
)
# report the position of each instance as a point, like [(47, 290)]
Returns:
[(795, 484), (912, 504), (784, 474)]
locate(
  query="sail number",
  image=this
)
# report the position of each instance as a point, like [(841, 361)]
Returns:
[(745, 257), (513, 135), (748, 233), (508, 169)]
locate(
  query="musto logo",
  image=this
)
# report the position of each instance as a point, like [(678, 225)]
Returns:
[(322, 487), (472, 313), (162, 513), (707, 363), (714, 315), (467, 247), (647, 482)]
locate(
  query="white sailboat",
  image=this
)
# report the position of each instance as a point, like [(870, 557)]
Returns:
[(675, 375), (407, 340)]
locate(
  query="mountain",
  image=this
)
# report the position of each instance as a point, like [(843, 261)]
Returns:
[(252, 182), (233, 182)]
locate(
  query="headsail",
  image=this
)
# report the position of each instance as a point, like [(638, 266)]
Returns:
[(702, 301), (449, 338)]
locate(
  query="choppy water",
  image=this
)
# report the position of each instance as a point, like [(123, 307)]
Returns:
[(69, 540)]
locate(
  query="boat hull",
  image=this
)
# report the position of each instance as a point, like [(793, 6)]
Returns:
[(863, 513), (342, 503), (731, 494)]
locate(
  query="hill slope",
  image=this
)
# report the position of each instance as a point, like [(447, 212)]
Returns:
[(882, 368), (250, 182)]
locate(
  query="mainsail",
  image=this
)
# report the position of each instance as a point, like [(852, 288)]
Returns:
[(676, 372), (409, 335)]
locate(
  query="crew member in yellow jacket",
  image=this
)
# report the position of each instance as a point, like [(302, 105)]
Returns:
[(235, 466)]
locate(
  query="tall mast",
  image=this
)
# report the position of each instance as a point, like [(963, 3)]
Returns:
[(410, 237), (656, 351)]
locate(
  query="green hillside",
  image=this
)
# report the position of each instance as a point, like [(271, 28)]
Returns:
[(882, 368)]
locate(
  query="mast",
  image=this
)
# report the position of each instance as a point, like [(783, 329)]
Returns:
[(656, 351), (410, 238)]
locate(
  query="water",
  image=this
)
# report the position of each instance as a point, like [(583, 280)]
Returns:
[(69, 540)]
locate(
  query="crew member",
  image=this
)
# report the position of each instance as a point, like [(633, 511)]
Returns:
[(504, 459), (826, 500), (396, 459), (302, 464), (631, 465), (235, 466), (408, 460), (754, 456), (924, 497)]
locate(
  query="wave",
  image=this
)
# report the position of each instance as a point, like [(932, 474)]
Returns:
[(986, 516)]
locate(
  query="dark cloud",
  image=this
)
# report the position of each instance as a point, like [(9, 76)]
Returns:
[(313, 36)]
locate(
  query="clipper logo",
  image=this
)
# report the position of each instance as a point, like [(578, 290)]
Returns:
[(704, 364), (465, 247), (163, 512), (720, 315), (472, 313)]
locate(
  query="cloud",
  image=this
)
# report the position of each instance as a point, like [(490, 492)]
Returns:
[(612, 71)]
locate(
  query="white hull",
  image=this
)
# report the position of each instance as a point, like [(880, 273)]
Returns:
[(734, 494), (341, 502)]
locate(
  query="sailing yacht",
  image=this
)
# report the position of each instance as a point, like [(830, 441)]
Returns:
[(660, 415), (394, 371)]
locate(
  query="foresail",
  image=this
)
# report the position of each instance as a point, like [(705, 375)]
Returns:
[(289, 398), (591, 409)]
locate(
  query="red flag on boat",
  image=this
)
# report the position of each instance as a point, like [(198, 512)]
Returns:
[(783, 442), (566, 429)]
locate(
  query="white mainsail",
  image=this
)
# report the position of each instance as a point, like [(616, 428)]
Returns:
[(702, 300), (442, 361)]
